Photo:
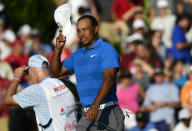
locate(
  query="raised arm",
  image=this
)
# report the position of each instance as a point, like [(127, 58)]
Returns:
[(9, 100), (56, 68)]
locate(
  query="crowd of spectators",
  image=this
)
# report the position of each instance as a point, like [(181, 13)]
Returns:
[(154, 40)]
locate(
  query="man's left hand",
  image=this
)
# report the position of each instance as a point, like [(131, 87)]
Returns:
[(91, 113)]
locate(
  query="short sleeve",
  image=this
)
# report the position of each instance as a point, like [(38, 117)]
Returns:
[(185, 96), (68, 64), (28, 97), (174, 95), (147, 100), (110, 58)]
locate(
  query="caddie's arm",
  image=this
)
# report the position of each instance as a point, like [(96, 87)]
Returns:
[(9, 100), (56, 68), (109, 76)]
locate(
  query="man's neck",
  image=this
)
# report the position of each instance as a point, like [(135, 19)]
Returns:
[(92, 43), (43, 77)]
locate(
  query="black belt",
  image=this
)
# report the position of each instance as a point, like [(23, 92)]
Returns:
[(46, 125)]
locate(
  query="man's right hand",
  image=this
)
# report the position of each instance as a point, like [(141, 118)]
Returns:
[(19, 72), (60, 40)]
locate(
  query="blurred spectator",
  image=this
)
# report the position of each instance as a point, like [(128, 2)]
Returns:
[(184, 124), (6, 70), (128, 56), (139, 26), (182, 7), (24, 34), (168, 62), (179, 8), (127, 86), (148, 55), (132, 40), (129, 103), (160, 102), (181, 48), (39, 47), (156, 41), (4, 110), (164, 22), (140, 76), (186, 95), (142, 124), (17, 58), (107, 29), (119, 8), (178, 77), (5, 44)]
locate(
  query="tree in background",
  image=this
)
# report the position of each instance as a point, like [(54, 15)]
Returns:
[(36, 13)]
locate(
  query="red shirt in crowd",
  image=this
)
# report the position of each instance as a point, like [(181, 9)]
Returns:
[(16, 61), (64, 55), (121, 6)]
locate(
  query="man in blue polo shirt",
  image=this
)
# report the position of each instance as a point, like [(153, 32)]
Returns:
[(181, 48), (95, 66)]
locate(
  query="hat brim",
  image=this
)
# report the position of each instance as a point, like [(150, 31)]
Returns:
[(67, 29)]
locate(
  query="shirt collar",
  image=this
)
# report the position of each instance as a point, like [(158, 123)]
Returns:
[(45, 78), (96, 43)]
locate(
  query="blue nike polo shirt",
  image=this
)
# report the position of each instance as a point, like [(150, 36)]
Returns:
[(88, 66)]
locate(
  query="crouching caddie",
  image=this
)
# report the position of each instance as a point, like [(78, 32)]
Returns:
[(49, 97)]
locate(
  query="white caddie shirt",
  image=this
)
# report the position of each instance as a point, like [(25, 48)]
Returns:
[(50, 99)]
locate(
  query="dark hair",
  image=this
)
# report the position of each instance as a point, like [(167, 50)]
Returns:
[(176, 62), (183, 16), (125, 74), (45, 65), (141, 116), (91, 18)]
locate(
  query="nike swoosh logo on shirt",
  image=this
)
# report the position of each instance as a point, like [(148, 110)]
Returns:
[(93, 55)]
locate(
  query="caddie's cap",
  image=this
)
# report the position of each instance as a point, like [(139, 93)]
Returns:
[(37, 61)]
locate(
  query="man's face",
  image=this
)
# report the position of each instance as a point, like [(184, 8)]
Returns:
[(86, 32), (159, 78), (185, 23), (32, 75)]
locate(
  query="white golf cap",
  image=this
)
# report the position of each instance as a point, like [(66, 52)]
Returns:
[(24, 30), (138, 23), (37, 61), (184, 114), (62, 17), (9, 36), (134, 37), (1, 7), (162, 4)]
